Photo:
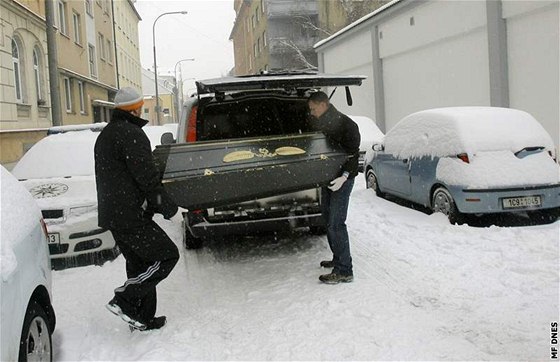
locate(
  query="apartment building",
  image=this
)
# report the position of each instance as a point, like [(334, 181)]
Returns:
[(128, 45), (274, 34), (88, 50)]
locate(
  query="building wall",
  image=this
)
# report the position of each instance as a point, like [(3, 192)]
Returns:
[(438, 53), (23, 21), (128, 49)]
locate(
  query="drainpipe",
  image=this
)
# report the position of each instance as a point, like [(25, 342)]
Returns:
[(56, 112)]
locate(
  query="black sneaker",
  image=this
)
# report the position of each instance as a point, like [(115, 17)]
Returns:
[(116, 309), (156, 323), (327, 264), (334, 278)]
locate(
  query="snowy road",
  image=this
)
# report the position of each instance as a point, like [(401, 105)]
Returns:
[(423, 290)]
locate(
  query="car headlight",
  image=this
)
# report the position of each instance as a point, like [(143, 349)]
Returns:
[(81, 210)]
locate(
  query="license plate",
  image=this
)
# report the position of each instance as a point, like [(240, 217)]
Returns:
[(54, 238), (521, 202)]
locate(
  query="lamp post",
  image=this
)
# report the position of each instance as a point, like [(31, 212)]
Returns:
[(176, 89), (155, 58)]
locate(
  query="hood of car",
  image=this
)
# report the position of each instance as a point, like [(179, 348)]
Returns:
[(62, 192), (287, 81)]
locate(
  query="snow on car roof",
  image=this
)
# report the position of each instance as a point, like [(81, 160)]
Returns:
[(450, 131), (19, 214), (369, 132)]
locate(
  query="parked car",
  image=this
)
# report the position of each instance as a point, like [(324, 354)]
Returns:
[(369, 135), (255, 108), (468, 160), (27, 314), (59, 172)]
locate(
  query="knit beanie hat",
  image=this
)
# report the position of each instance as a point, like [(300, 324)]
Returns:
[(128, 99)]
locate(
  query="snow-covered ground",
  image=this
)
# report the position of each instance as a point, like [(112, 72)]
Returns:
[(423, 290)]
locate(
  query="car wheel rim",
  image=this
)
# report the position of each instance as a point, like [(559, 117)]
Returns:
[(38, 347), (371, 181), (442, 203)]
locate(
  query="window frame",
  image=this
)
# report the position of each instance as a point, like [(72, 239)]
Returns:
[(62, 18), (92, 60), (77, 24), (89, 7), (16, 63), (81, 95), (68, 94), (37, 67)]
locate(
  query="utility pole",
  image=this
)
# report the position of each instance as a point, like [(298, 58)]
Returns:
[(56, 112)]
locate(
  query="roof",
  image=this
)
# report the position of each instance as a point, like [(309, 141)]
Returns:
[(356, 23)]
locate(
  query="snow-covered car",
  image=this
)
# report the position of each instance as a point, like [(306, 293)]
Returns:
[(59, 172), (369, 135), (468, 160), (27, 314)]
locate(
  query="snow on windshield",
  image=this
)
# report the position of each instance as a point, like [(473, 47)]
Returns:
[(451, 131), (71, 153), (19, 214)]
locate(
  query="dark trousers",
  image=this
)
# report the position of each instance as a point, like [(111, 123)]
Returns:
[(150, 256), (335, 210)]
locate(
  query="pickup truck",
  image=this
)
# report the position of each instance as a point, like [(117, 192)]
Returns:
[(246, 158)]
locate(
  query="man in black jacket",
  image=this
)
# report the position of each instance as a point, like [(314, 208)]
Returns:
[(341, 130), (129, 192)]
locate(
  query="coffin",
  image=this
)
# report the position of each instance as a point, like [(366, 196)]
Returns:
[(211, 174)]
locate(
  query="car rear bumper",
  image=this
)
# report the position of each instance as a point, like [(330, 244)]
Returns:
[(491, 200), (203, 228)]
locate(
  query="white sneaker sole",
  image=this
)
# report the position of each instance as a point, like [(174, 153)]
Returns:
[(116, 310)]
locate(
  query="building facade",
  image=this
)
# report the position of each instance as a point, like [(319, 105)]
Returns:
[(127, 44), (274, 34), (166, 98), (86, 63)]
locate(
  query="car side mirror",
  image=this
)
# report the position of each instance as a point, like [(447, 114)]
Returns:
[(378, 147), (167, 138)]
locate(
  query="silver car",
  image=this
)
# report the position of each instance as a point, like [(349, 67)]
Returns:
[(468, 160)]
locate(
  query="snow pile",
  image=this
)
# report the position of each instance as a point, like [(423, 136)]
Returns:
[(450, 131), (19, 215), (498, 169)]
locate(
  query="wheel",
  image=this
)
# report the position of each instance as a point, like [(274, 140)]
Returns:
[(544, 216), (35, 343), (443, 202), (371, 183), (318, 230)]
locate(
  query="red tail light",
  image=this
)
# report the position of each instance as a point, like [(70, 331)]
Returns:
[(463, 157), (191, 126)]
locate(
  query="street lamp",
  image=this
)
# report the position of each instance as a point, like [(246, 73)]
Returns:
[(155, 58), (176, 89)]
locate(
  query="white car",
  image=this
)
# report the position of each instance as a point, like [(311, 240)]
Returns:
[(59, 172), (28, 318), (369, 135)]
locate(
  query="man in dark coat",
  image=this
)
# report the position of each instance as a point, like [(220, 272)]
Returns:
[(129, 192), (341, 130)]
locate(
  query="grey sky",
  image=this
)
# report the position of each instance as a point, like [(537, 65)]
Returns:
[(202, 34)]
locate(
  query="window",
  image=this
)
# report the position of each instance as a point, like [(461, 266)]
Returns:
[(259, 45), (255, 50), (264, 39), (146, 110), (68, 94), (92, 61), (257, 14), (37, 74), (77, 22), (109, 51), (89, 8), (262, 6), (101, 45), (253, 21), (62, 17), (81, 94), (17, 71)]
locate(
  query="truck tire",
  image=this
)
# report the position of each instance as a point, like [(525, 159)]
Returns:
[(190, 241)]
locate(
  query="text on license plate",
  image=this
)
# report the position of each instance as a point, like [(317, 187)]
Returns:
[(54, 238), (519, 202)]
